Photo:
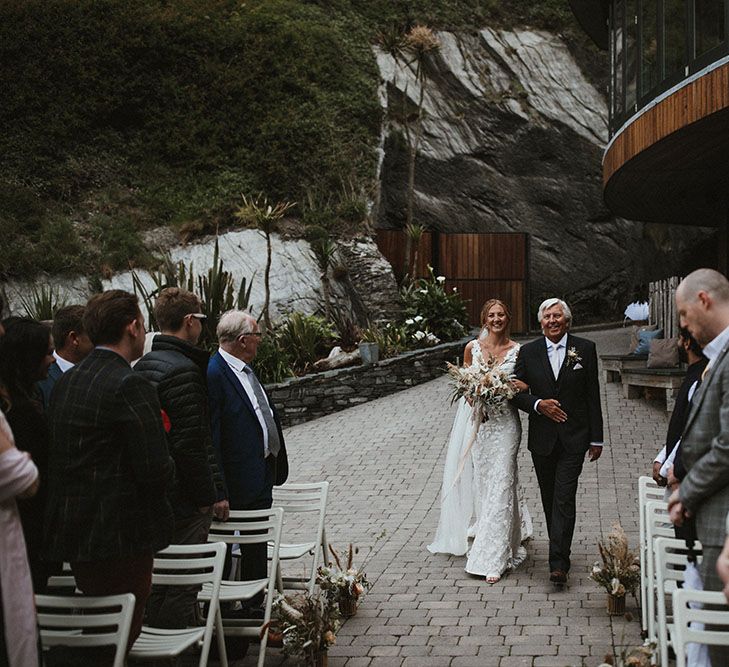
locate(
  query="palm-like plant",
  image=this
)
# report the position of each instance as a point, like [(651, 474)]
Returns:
[(258, 213), (420, 42)]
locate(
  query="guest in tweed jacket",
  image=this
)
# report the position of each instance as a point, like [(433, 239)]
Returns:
[(702, 300), (109, 469)]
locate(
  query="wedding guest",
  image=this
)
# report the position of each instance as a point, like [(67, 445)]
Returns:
[(247, 434), (702, 301), (109, 470), (26, 353), (178, 368), (18, 629), (690, 353), (72, 345)]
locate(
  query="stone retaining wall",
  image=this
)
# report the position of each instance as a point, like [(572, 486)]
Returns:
[(300, 399)]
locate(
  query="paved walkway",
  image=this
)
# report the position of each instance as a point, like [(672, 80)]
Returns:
[(384, 461)]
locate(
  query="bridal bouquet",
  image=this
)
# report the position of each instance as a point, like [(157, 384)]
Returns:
[(485, 386)]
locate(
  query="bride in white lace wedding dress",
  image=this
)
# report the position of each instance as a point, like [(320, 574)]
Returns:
[(482, 481)]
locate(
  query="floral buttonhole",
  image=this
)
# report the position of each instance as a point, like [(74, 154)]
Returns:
[(573, 359)]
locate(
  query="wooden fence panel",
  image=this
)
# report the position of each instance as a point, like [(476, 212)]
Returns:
[(662, 305), (479, 266)]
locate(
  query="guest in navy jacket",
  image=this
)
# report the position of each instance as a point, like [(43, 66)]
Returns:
[(247, 436)]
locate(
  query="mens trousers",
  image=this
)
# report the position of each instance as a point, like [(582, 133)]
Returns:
[(112, 577), (175, 606), (719, 654), (558, 475)]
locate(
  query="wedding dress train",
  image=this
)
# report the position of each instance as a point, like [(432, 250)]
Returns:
[(481, 480)]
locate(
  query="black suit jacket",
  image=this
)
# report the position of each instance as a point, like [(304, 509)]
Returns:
[(577, 388), (109, 470), (238, 440)]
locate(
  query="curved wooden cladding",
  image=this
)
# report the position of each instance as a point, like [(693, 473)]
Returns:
[(695, 101)]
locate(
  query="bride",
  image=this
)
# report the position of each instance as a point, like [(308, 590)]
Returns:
[(481, 475)]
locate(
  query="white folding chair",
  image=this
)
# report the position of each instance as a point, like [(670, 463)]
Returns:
[(185, 565), (302, 498), (657, 524), (84, 622), (65, 581), (647, 490), (671, 561), (684, 614), (248, 527)]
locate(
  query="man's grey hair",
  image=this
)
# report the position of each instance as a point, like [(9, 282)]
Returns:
[(234, 323), (553, 301), (705, 280)]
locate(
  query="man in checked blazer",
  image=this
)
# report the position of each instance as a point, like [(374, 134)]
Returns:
[(565, 421), (109, 471), (702, 301)]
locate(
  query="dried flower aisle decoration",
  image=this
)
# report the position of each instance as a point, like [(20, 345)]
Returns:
[(620, 570), (308, 625), (343, 585)]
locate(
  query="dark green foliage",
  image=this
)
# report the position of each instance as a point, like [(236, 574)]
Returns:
[(121, 115), (444, 313), (272, 363), (169, 111), (305, 338)]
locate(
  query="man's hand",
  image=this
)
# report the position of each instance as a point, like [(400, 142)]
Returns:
[(595, 452), (221, 510), (519, 386), (722, 567), (661, 481), (676, 511), (550, 408), (673, 481)]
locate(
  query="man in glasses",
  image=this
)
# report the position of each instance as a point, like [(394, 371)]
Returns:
[(178, 369), (246, 431)]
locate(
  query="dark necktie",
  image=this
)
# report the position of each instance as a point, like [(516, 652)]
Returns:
[(274, 444)]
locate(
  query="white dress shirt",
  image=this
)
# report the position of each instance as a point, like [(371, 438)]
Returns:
[(63, 364), (714, 348), (238, 366), (664, 458)]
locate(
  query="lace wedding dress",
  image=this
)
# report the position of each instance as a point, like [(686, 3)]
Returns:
[(483, 482)]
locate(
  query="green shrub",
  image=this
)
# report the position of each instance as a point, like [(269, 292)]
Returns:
[(443, 314), (305, 338), (272, 363), (391, 338)]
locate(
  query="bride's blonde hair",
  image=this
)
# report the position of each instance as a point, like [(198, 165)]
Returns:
[(488, 306)]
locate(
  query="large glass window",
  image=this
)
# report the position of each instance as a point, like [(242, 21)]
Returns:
[(618, 54), (649, 46), (709, 24), (675, 31), (631, 53)]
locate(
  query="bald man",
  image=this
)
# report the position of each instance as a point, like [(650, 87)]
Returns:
[(702, 301)]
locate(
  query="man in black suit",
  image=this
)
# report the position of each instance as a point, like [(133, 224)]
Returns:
[(246, 431), (565, 421), (109, 471)]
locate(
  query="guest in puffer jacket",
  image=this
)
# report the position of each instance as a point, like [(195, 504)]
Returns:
[(178, 368)]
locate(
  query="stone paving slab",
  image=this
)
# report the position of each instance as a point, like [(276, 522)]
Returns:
[(384, 461)]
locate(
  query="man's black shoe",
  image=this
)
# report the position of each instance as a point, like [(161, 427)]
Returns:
[(558, 577)]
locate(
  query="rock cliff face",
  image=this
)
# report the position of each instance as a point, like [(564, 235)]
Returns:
[(512, 141)]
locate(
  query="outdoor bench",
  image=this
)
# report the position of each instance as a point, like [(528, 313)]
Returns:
[(614, 364), (635, 380)]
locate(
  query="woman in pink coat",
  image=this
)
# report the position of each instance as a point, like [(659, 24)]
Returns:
[(18, 630)]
